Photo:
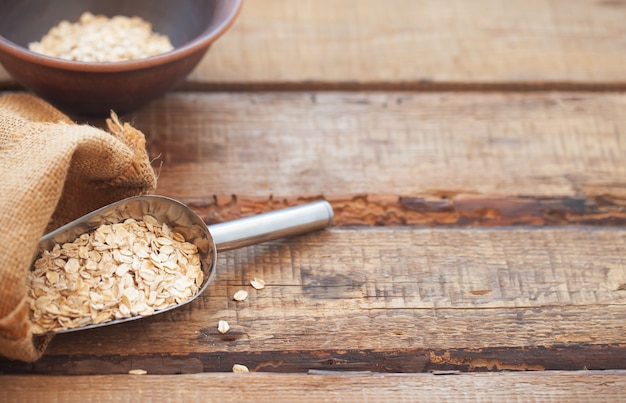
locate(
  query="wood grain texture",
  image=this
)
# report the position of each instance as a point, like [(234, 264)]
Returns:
[(568, 387), (390, 300), (478, 41), (395, 158), (537, 43)]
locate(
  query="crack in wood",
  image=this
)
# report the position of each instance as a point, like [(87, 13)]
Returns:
[(441, 209), (573, 356), (474, 364)]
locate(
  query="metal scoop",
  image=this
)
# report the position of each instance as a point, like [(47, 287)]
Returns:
[(209, 240)]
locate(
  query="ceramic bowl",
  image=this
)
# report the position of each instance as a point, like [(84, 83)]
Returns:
[(90, 88)]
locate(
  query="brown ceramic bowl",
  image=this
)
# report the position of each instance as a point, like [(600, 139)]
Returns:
[(97, 88)]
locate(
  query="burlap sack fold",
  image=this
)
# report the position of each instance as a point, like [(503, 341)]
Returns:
[(51, 172)]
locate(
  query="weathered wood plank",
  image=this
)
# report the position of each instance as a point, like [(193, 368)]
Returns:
[(479, 41), (397, 300), (396, 158), (524, 387), (419, 44)]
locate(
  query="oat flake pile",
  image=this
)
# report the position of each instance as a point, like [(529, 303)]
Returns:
[(97, 38), (51, 172)]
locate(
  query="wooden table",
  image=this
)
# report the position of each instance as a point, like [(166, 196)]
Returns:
[(473, 152)]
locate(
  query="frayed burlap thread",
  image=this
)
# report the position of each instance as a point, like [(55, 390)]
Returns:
[(51, 172)]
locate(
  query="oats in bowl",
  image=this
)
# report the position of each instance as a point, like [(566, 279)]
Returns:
[(97, 38), (96, 88)]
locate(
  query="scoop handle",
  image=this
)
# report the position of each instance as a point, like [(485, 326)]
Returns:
[(273, 225)]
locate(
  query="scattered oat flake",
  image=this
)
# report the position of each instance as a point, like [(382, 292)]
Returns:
[(240, 295), (240, 368), (257, 283), (223, 326), (137, 372)]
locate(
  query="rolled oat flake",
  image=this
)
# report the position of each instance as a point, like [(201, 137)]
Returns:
[(240, 295), (223, 326), (240, 368)]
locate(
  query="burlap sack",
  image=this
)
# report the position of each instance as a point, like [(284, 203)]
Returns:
[(51, 172)]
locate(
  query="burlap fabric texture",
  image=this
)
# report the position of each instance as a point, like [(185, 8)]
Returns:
[(51, 172)]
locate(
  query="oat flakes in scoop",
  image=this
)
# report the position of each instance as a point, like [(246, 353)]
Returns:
[(132, 268)]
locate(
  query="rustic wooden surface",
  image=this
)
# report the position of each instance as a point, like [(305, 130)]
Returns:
[(474, 155)]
